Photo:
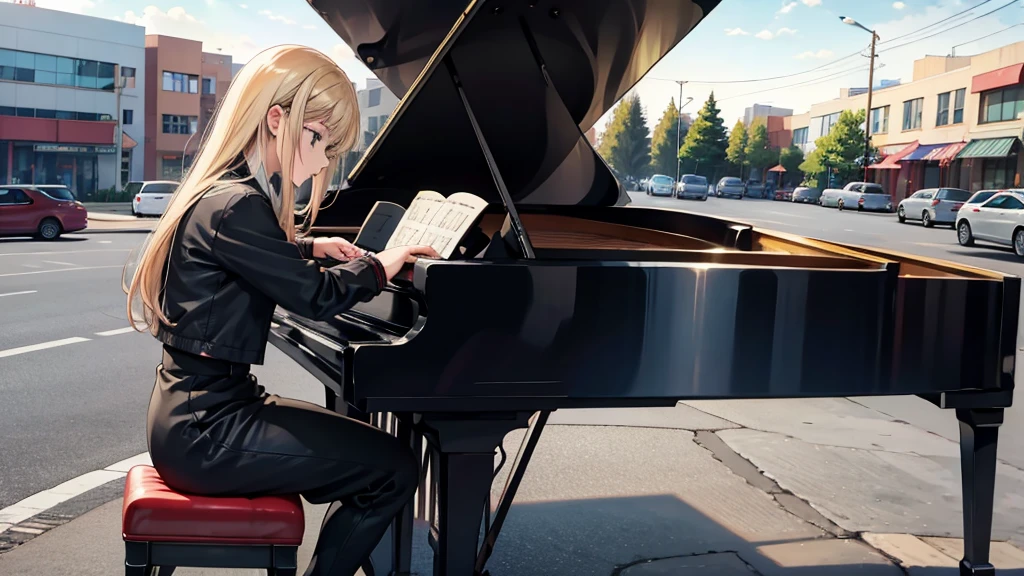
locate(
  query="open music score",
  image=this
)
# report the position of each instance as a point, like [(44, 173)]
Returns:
[(435, 221)]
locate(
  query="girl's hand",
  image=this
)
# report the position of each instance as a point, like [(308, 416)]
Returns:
[(336, 248), (395, 258)]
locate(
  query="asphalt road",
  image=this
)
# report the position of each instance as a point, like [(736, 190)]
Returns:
[(884, 231), (76, 400)]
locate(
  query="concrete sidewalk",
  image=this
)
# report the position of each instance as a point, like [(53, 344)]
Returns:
[(116, 217), (838, 490)]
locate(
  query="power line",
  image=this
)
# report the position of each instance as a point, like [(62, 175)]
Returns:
[(990, 12), (810, 82), (948, 18), (784, 76), (988, 35)]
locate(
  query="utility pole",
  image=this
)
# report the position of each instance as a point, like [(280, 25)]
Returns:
[(867, 114), (679, 126), (118, 139)]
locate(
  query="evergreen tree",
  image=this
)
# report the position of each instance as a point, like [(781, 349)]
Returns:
[(663, 145), (841, 150), (613, 129), (736, 152), (703, 151), (791, 158), (760, 155), (631, 151)]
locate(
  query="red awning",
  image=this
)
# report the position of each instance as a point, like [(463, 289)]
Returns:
[(127, 142), (946, 154), (777, 168), (998, 78), (892, 161)]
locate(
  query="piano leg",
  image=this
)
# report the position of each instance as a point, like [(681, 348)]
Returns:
[(979, 432), (402, 527), (466, 472)]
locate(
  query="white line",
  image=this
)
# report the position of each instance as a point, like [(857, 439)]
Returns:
[(42, 501), (104, 241), (116, 332), (19, 293), (30, 266), (68, 252), (59, 270), (57, 263), (43, 346)]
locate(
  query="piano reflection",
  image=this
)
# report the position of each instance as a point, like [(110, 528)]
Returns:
[(560, 269)]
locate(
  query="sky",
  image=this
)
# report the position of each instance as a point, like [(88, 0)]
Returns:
[(739, 40)]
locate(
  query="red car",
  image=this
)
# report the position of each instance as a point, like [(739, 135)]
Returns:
[(42, 211)]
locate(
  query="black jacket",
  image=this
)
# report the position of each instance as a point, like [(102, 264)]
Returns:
[(230, 265)]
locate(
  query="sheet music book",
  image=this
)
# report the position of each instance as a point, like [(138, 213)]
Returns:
[(431, 220)]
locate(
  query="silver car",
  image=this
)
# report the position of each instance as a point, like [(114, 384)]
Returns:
[(730, 187), (806, 195), (933, 206), (692, 186), (661, 185)]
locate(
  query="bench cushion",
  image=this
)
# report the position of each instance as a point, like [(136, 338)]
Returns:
[(154, 512)]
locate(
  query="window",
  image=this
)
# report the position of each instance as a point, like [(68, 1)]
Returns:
[(209, 85), (58, 193), (825, 123), (913, 113), (954, 195), (383, 120), (947, 114), (175, 124), (942, 114), (127, 116), (958, 105), (981, 197), (872, 189), (371, 124), (661, 179), (1005, 202), (1001, 105), (159, 188), (800, 136), (880, 120), (21, 66), (13, 196), (42, 113), (178, 82), (373, 98)]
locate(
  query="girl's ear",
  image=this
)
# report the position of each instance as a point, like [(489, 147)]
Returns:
[(274, 117)]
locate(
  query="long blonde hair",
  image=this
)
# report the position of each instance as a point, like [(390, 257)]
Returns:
[(311, 87)]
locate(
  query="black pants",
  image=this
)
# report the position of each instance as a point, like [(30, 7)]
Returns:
[(213, 431)]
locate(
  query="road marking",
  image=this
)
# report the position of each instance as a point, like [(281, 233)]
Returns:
[(42, 501), (58, 270), (30, 265), (104, 242), (116, 332), (57, 263), (43, 346), (68, 252), (19, 293)]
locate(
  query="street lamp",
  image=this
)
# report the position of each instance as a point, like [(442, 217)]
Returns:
[(871, 84), (679, 124), (119, 83)]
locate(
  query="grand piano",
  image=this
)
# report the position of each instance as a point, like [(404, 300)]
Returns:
[(566, 296)]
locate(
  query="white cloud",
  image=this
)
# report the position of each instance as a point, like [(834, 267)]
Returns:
[(811, 3), (785, 32), (309, 27), (277, 17), (243, 6), (342, 53), (764, 35), (178, 22), (736, 32), (76, 6), (899, 5), (787, 8), (820, 54)]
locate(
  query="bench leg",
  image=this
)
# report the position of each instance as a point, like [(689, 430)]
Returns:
[(285, 561), (136, 560)]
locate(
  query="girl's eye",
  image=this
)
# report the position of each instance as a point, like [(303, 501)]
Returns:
[(316, 137)]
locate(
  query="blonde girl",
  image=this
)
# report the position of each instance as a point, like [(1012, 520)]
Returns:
[(223, 256)]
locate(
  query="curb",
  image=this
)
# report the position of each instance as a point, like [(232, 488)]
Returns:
[(114, 231)]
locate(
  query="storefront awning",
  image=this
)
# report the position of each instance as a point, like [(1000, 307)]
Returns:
[(988, 148), (892, 161), (777, 168), (946, 154), (127, 142), (924, 150), (1001, 78)]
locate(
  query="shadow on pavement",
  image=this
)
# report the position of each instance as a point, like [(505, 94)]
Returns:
[(66, 238)]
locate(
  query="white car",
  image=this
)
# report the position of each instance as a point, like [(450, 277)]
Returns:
[(150, 198), (999, 220), (933, 206)]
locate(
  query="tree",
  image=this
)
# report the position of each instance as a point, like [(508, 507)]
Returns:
[(759, 151), (791, 158), (841, 150), (630, 153), (703, 151), (736, 152), (664, 150)]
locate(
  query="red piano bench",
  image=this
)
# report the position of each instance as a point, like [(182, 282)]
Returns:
[(161, 527)]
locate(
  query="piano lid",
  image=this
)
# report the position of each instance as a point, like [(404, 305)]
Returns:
[(535, 73)]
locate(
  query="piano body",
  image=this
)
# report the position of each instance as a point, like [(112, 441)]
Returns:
[(566, 296)]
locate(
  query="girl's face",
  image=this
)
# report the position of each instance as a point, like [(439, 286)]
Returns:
[(313, 154)]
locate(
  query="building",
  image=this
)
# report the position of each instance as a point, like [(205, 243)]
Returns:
[(763, 111), (174, 67), (217, 75), (58, 104), (957, 123), (376, 103)]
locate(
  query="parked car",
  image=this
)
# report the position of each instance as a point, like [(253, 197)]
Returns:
[(862, 195), (150, 198), (692, 186), (981, 196), (45, 212), (806, 195), (785, 195), (999, 220), (730, 187), (933, 206), (661, 185)]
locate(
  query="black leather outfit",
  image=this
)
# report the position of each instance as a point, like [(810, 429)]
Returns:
[(213, 430)]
